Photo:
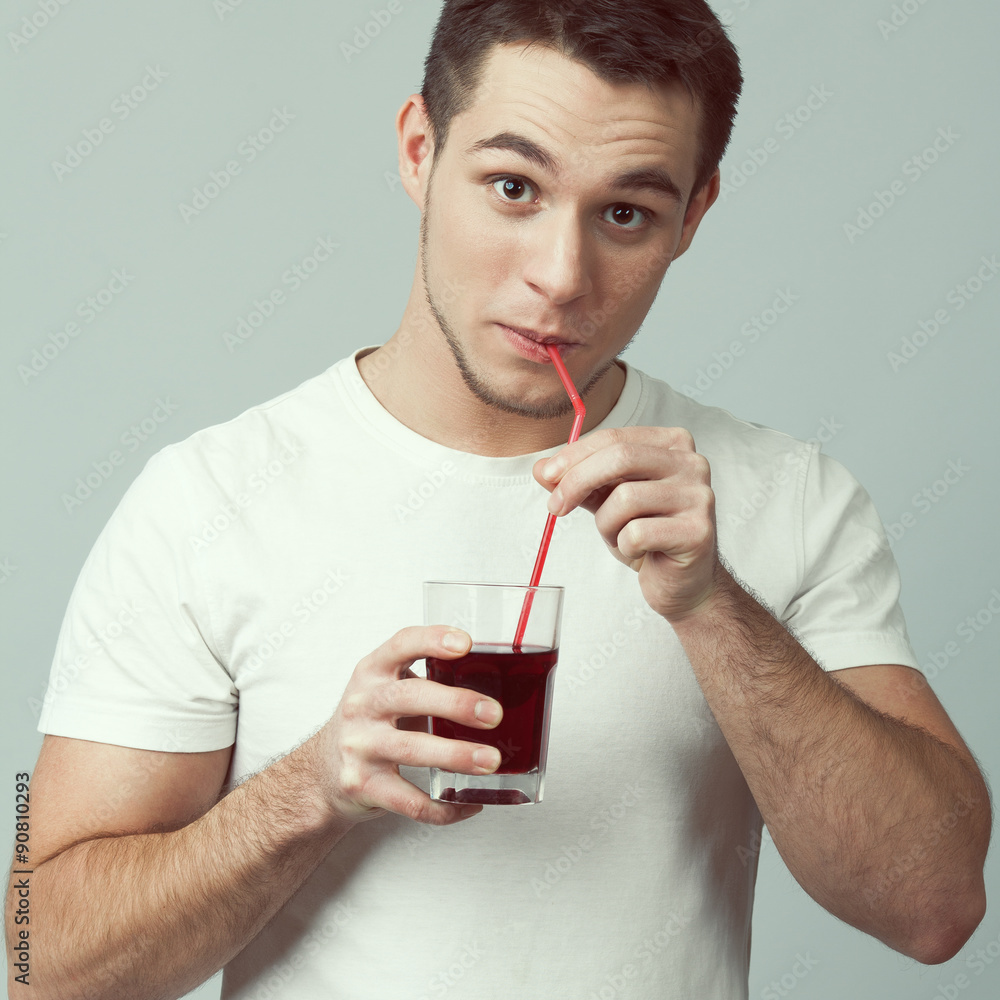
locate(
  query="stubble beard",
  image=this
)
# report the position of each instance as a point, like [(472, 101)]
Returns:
[(482, 389)]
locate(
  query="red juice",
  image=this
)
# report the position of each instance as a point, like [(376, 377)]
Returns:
[(520, 681)]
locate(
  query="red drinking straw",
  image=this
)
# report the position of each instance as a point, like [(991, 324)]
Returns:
[(550, 522)]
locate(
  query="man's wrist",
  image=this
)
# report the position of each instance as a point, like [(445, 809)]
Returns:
[(716, 607)]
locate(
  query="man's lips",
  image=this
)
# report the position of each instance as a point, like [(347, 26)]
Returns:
[(540, 338)]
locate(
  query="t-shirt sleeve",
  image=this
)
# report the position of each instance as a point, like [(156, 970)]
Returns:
[(136, 663), (846, 611)]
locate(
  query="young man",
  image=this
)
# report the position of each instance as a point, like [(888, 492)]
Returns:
[(562, 155)]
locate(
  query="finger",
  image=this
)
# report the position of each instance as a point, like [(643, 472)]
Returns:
[(395, 656), (683, 539), (419, 696), (630, 501), (667, 438), (392, 792), (593, 478), (424, 750)]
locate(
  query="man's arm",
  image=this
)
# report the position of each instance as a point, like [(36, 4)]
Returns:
[(884, 822), (872, 799), (153, 914), (142, 888)]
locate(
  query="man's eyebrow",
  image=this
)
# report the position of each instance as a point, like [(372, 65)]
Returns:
[(654, 179), (526, 148)]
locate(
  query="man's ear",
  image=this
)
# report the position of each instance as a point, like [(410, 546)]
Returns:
[(416, 148), (699, 204)]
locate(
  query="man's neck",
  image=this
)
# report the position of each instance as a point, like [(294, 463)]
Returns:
[(403, 386)]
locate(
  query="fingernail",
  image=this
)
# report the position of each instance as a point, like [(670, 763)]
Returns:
[(488, 711), (555, 504), (455, 641), (488, 758), (466, 811), (552, 469)]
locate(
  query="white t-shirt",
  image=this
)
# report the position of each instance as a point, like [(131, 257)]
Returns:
[(250, 567)]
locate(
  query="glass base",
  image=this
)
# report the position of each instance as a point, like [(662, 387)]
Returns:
[(487, 789)]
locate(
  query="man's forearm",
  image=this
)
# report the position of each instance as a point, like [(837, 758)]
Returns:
[(882, 824), (153, 915)]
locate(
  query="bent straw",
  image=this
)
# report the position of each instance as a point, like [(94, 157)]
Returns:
[(581, 412)]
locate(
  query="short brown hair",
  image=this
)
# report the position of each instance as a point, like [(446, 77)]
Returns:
[(640, 41)]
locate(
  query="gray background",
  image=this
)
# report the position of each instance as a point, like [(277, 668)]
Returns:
[(331, 172)]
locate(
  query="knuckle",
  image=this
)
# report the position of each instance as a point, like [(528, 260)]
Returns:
[(700, 534), (397, 643), (414, 810), (617, 436), (352, 779), (627, 493), (354, 706), (705, 496), (702, 467), (683, 437)]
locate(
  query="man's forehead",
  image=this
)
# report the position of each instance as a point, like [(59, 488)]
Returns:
[(530, 75), (544, 95)]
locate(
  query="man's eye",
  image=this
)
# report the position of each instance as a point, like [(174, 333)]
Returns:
[(626, 216), (512, 189)]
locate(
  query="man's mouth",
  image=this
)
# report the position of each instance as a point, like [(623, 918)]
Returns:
[(531, 344), (541, 338)]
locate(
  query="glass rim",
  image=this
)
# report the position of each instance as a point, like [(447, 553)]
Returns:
[(474, 583)]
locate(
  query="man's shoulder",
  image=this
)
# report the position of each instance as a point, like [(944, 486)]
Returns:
[(288, 418), (718, 433), (268, 439)]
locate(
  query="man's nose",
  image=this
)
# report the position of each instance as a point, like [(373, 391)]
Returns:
[(558, 264)]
